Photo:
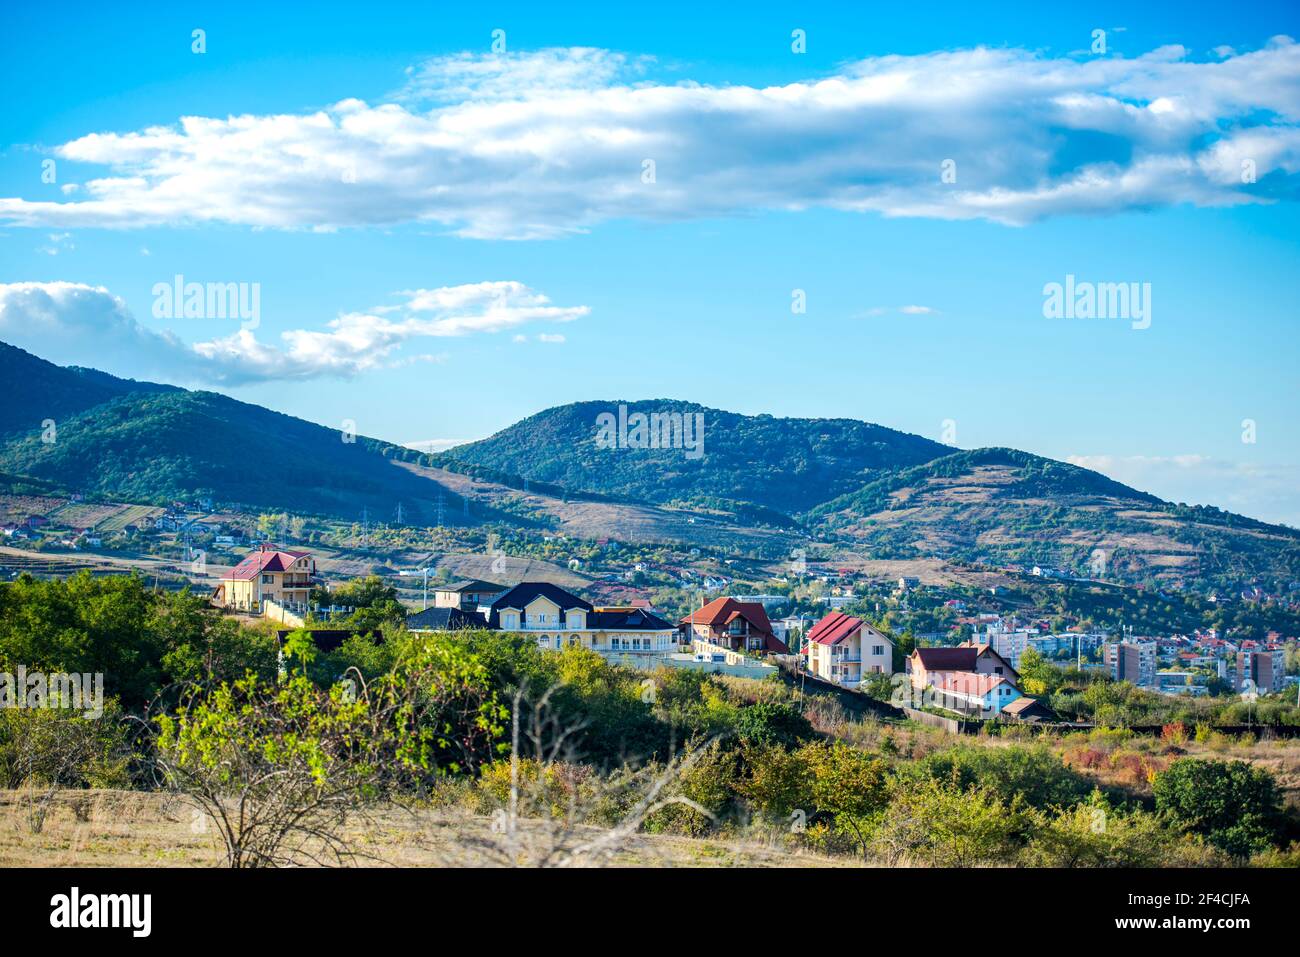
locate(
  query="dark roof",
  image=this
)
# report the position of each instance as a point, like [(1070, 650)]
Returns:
[(445, 619), (958, 658), (637, 618), (330, 639), (472, 584), (948, 659), (525, 592)]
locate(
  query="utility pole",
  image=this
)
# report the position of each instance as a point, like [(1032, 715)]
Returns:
[(420, 571)]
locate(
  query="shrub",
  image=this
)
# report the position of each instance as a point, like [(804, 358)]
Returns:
[(766, 723), (939, 824), (1234, 806), (1034, 773)]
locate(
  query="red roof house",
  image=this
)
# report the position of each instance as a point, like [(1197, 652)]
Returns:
[(737, 625)]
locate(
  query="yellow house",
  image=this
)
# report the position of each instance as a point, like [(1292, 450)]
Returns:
[(280, 576), (556, 619)]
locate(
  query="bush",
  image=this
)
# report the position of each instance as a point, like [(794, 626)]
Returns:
[(1234, 806), (936, 823), (1033, 773), (1092, 834), (766, 723)]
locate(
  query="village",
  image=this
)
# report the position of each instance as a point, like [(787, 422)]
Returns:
[(975, 678)]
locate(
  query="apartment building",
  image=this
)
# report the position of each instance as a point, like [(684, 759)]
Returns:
[(1265, 668), (1132, 661)]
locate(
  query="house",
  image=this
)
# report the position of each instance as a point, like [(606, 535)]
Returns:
[(267, 574), (445, 619), (908, 583), (947, 677), (841, 649), (927, 663), (468, 595), (735, 625), (557, 619), (972, 693)]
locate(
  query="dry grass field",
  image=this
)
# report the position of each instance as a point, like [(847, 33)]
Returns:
[(135, 829)]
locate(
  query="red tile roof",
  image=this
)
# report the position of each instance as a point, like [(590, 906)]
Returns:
[(268, 561), (969, 682), (723, 611), (834, 628)]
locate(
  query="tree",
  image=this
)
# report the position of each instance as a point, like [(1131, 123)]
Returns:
[(1038, 676), (1233, 805), (849, 785), (280, 768)]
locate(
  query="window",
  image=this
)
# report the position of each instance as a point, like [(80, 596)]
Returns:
[(268, 579), (877, 649)]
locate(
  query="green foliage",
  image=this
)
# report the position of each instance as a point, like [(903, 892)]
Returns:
[(116, 625), (766, 723), (56, 748), (1232, 804), (940, 824), (783, 464), (1092, 834), (1033, 773)]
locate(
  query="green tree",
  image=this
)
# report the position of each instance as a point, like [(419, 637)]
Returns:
[(1233, 805)]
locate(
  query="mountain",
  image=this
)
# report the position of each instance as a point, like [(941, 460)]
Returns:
[(43, 390), (141, 442), (760, 487), (788, 465), (1000, 506)]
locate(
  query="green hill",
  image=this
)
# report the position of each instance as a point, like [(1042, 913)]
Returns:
[(139, 442), (789, 465)]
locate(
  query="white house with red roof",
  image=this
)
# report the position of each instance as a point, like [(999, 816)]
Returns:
[(284, 577), (973, 693), (841, 649)]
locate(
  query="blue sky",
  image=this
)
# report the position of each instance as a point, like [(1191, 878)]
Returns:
[(426, 219)]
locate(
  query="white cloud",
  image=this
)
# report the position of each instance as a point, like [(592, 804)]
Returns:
[(546, 143), (550, 337), (75, 323), (1268, 492), (912, 310), (59, 242)]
